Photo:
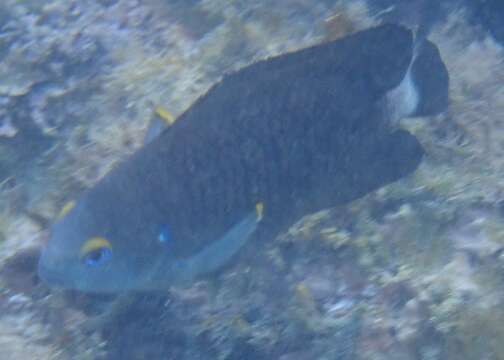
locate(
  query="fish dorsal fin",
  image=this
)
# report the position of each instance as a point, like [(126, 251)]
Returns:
[(218, 253), (161, 120)]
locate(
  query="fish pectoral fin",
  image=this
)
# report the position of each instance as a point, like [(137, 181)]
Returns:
[(223, 249), (161, 120)]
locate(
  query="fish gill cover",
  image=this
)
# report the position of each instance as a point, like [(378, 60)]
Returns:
[(409, 271)]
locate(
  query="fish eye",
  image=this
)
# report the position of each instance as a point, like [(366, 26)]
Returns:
[(97, 256), (96, 251)]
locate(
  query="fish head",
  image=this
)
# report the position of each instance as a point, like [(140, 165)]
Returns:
[(96, 248)]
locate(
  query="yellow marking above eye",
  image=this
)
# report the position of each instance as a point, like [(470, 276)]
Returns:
[(66, 209), (94, 244)]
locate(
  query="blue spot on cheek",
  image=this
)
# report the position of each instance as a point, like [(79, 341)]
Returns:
[(164, 235)]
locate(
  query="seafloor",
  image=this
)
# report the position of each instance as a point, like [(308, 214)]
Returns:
[(412, 271)]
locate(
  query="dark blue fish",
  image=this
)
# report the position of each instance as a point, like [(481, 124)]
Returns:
[(276, 140)]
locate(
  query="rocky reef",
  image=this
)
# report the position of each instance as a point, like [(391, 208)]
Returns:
[(413, 271)]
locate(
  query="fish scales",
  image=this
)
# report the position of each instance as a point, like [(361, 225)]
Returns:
[(252, 131)]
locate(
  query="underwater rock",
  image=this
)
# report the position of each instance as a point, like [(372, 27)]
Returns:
[(49, 61), (6, 127), (16, 81)]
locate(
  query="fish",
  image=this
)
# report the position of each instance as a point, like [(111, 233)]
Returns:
[(283, 137)]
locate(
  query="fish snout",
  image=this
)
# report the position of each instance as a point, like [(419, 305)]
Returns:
[(50, 273)]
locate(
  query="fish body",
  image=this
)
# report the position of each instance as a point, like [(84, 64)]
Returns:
[(293, 134)]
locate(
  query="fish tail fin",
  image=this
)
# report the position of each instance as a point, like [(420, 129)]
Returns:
[(424, 88), (430, 77)]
